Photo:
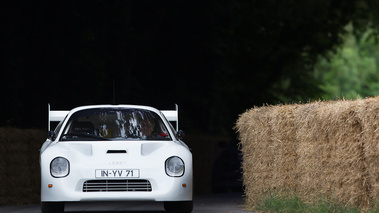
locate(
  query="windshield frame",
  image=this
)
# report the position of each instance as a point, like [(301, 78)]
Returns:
[(157, 115)]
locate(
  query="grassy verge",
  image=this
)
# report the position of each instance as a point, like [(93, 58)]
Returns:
[(292, 203)]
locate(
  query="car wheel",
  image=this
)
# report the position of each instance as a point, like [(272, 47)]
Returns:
[(179, 207), (52, 207)]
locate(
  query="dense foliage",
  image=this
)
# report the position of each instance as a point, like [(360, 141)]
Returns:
[(353, 70), (213, 58)]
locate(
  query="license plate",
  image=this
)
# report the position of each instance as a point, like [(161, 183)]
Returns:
[(117, 173)]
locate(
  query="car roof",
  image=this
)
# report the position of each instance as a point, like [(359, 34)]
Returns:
[(115, 107), (59, 115)]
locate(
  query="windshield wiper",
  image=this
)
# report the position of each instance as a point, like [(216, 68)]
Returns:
[(84, 135)]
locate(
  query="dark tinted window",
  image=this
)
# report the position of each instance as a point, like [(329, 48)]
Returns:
[(115, 124)]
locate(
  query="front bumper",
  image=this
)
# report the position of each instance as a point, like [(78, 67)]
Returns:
[(83, 166), (171, 190)]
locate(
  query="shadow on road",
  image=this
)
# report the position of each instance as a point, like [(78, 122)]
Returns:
[(118, 207), (207, 203), (121, 211)]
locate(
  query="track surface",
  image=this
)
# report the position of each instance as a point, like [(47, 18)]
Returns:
[(212, 203)]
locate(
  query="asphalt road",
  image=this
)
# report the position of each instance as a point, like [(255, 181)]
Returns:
[(213, 203)]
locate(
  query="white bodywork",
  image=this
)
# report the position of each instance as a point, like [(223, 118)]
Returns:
[(146, 158)]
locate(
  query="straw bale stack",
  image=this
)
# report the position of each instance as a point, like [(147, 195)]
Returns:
[(370, 119), (316, 149), (19, 167)]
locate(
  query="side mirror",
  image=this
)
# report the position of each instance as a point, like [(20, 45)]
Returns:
[(51, 135), (180, 134)]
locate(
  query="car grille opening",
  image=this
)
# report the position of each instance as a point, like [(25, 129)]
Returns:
[(117, 186)]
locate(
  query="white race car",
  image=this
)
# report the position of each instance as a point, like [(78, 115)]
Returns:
[(115, 153)]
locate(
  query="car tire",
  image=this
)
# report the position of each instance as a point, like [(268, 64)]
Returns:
[(52, 207), (179, 206)]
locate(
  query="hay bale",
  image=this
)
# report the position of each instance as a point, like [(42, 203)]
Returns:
[(283, 135), (320, 148), (19, 165), (257, 166), (310, 154), (369, 115)]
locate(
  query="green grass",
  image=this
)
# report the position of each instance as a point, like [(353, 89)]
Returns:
[(291, 203), (375, 209)]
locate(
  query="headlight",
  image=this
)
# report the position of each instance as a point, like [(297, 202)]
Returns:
[(174, 167), (59, 167)]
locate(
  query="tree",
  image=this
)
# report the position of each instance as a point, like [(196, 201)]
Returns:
[(352, 71), (213, 58)]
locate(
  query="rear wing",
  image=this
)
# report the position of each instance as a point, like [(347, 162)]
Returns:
[(59, 115), (54, 116), (172, 115)]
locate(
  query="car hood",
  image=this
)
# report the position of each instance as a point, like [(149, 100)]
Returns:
[(99, 148)]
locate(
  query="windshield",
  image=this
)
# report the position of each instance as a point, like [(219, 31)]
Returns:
[(115, 124)]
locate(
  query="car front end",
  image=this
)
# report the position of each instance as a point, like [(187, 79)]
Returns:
[(115, 153), (116, 171)]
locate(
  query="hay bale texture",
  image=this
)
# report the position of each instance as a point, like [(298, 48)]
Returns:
[(316, 149), (19, 165)]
